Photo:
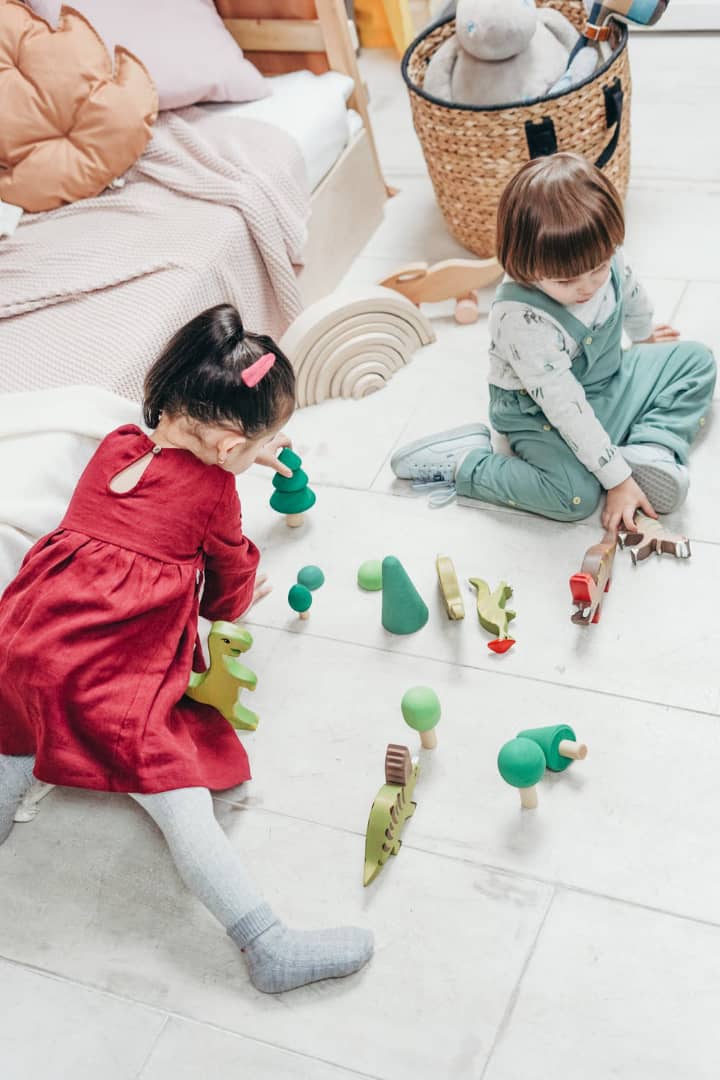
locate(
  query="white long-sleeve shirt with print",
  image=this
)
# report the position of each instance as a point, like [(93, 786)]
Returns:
[(531, 351)]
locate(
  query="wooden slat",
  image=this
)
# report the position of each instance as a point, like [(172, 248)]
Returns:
[(277, 35)]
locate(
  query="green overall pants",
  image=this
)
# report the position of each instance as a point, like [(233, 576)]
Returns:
[(646, 394)]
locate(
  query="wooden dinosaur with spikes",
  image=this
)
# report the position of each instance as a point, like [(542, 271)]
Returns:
[(492, 613), (650, 536), (221, 684), (593, 581), (392, 807)]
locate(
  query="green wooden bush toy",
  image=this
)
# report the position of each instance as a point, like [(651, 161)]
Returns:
[(492, 613), (292, 496), (221, 684), (392, 806), (403, 609), (300, 600), (421, 711), (311, 577), (369, 575), (558, 743), (521, 763)]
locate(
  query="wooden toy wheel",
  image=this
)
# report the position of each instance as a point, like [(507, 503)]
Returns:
[(398, 764)]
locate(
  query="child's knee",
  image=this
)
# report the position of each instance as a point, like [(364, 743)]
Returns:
[(704, 363)]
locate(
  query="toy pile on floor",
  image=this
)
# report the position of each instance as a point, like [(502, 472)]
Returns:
[(521, 762)]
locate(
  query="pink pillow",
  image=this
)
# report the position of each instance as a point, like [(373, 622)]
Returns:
[(183, 44)]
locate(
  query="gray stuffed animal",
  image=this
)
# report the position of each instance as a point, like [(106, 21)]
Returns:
[(502, 51)]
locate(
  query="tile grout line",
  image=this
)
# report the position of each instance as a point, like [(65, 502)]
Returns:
[(151, 1051), (488, 671), (512, 1001), (490, 868), (171, 1014)]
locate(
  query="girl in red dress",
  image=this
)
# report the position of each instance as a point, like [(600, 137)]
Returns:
[(98, 631)]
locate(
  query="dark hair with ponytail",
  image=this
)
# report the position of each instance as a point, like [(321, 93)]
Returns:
[(198, 375)]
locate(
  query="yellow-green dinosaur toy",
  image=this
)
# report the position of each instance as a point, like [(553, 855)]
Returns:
[(392, 806), (492, 613), (221, 684)]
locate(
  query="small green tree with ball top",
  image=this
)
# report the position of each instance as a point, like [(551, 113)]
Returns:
[(292, 496)]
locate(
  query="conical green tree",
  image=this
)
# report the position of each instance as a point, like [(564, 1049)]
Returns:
[(292, 496), (403, 609)]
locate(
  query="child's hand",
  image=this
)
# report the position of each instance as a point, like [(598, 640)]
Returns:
[(661, 333), (269, 451), (622, 502)]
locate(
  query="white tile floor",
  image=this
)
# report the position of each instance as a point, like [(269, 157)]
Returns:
[(578, 942)]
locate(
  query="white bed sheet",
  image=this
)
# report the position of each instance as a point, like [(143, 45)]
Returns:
[(311, 108)]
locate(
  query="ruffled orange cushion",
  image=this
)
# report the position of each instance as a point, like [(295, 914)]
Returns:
[(69, 125)]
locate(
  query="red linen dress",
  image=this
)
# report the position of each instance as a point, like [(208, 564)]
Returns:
[(98, 630)]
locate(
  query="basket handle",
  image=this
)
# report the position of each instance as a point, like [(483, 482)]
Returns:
[(542, 139)]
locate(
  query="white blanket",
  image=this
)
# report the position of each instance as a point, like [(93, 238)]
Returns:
[(47, 438)]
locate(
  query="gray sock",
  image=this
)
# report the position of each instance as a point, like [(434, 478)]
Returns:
[(16, 777), (280, 959)]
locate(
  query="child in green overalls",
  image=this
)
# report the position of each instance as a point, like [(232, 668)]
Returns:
[(582, 415)]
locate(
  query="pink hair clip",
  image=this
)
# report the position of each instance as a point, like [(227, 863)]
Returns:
[(252, 375)]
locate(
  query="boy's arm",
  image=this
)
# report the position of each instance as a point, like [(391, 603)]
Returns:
[(637, 305), (537, 350)]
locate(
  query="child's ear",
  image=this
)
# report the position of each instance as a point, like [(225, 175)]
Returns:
[(227, 444)]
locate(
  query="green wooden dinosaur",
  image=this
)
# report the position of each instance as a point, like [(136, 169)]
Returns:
[(392, 807), (493, 615), (221, 684)]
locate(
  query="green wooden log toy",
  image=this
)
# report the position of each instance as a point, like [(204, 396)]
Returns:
[(300, 600), (421, 711), (292, 496), (221, 684), (403, 609), (558, 743), (521, 763), (450, 587), (392, 806), (492, 613)]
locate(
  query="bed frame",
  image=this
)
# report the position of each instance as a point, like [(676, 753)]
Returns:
[(347, 206)]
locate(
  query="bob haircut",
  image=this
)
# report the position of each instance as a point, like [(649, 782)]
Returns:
[(199, 376), (558, 218)]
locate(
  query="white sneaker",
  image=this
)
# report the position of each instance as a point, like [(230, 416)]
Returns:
[(657, 471), (434, 459)]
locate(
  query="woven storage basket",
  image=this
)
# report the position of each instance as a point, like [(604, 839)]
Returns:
[(472, 152)]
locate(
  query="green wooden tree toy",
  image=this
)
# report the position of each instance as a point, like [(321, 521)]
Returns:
[(221, 684), (311, 577), (300, 600), (559, 745), (521, 763), (392, 807), (492, 613), (421, 711), (369, 575), (403, 609), (292, 496)]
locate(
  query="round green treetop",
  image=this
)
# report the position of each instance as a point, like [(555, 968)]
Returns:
[(369, 575), (420, 708), (311, 577), (296, 482), (299, 598), (521, 763), (292, 502), (290, 458)]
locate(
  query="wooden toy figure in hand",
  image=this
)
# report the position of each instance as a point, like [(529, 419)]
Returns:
[(292, 496), (221, 684), (593, 580), (650, 536)]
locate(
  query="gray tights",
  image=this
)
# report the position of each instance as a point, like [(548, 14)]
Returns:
[(278, 958)]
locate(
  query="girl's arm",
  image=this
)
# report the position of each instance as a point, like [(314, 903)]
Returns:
[(538, 352), (231, 560)]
